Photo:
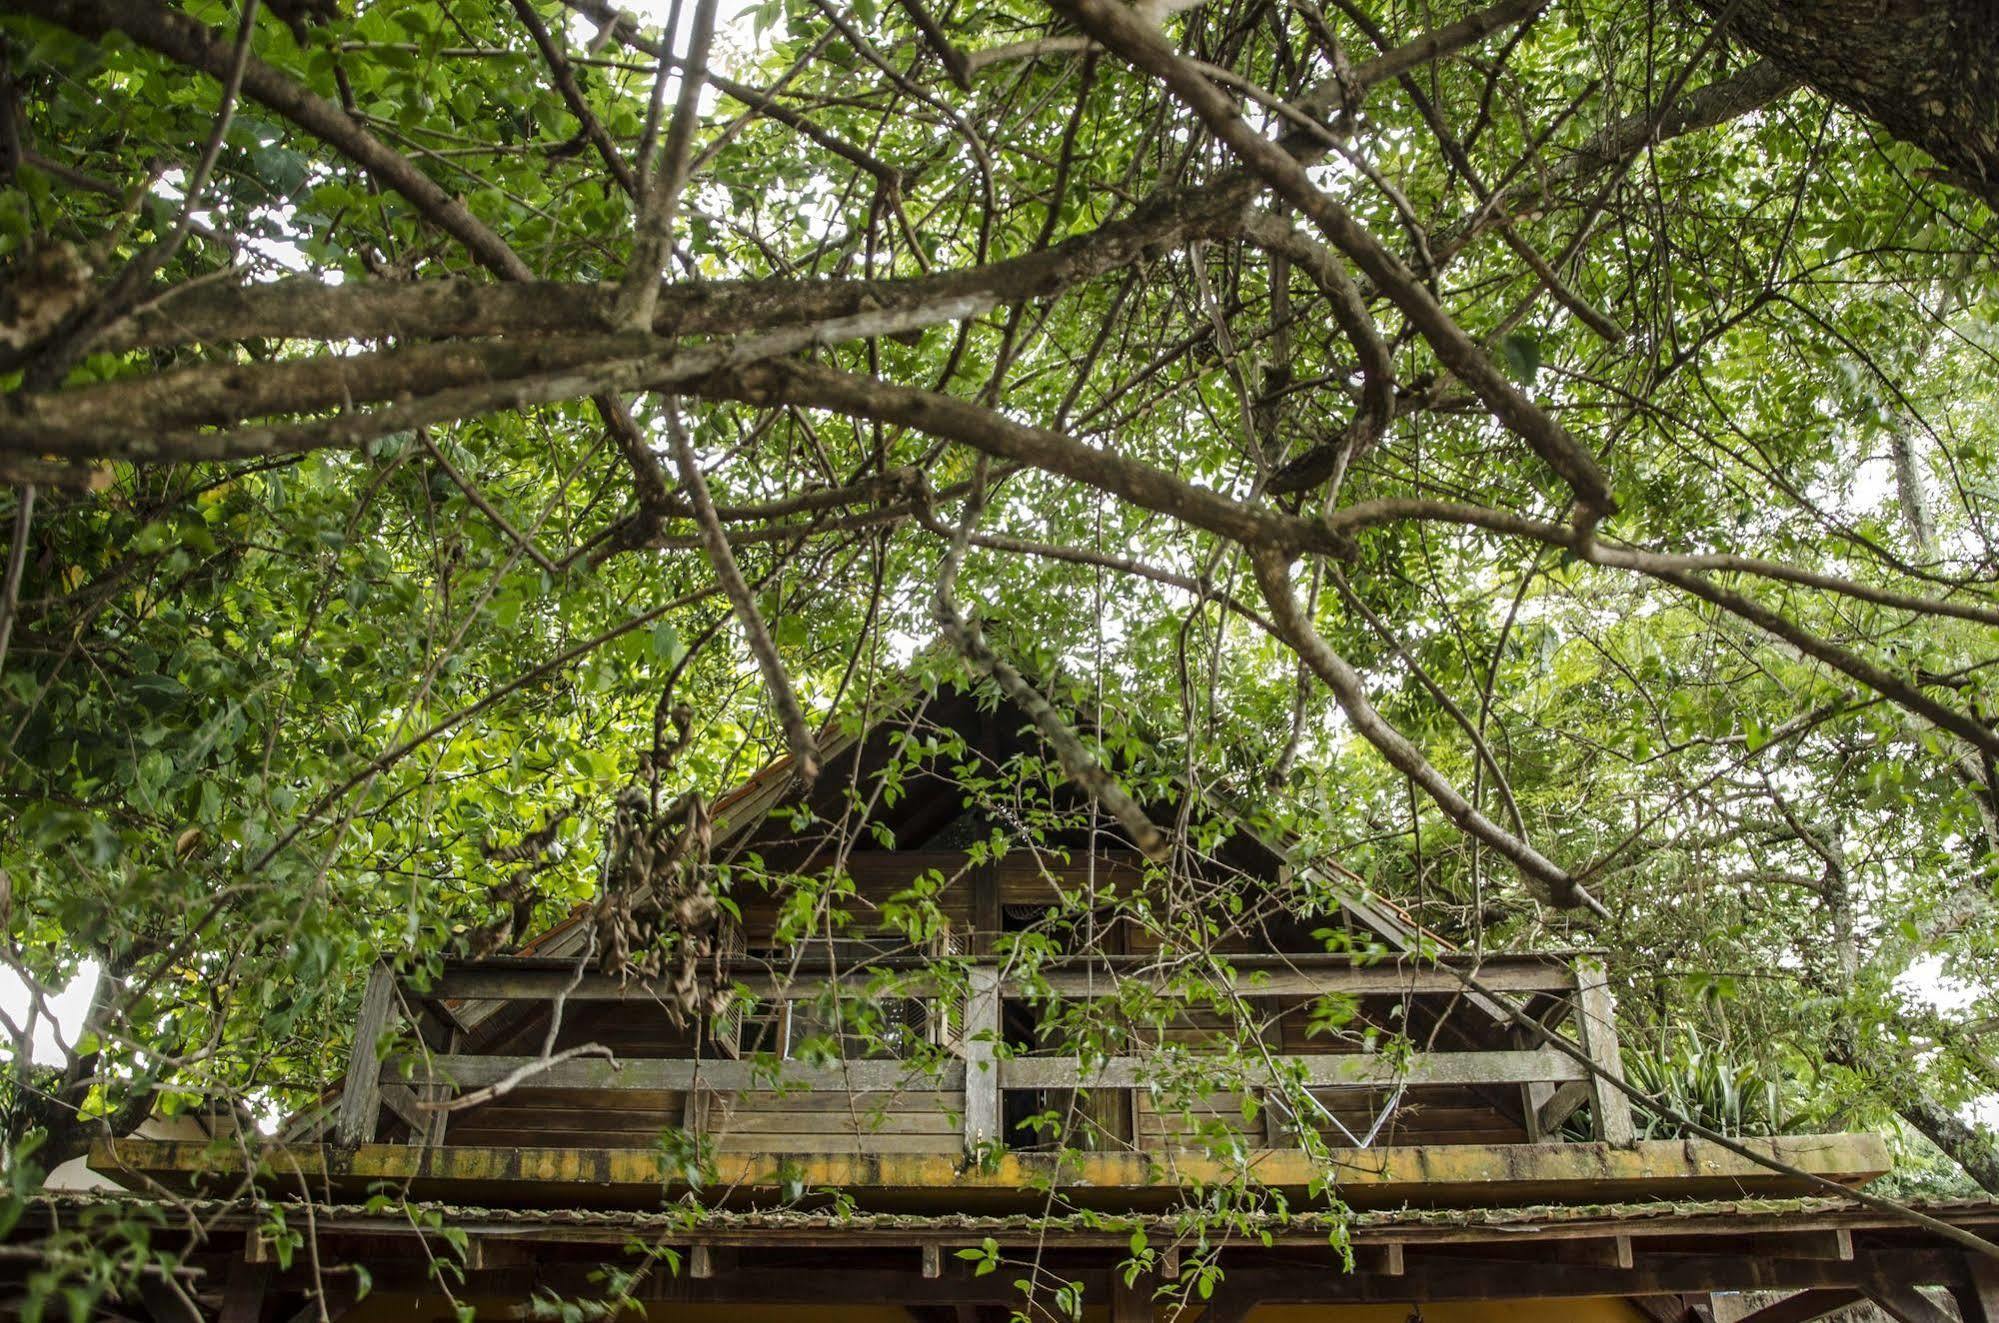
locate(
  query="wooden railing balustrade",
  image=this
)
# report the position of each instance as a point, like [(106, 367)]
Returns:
[(1554, 988)]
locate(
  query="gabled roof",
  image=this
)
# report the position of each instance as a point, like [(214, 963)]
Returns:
[(743, 810), (979, 714)]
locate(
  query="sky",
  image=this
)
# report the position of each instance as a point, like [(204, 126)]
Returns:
[(69, 1007)]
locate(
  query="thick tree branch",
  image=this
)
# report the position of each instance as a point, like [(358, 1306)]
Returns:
[(1117, 27), (1273, 576)]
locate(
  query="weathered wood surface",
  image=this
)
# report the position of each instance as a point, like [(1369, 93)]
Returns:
[(981, 1078), (1429, 1175), (1802, 1307), (1351, 1070), (677, 1076), (1978, 1294), (360, 1097), (1425, 1278), (1257, 975), (1897, 1298), (1596, 1026)]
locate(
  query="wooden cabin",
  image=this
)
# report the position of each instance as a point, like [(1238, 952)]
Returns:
[(970, 1053)]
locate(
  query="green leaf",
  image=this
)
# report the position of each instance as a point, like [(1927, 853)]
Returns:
[(1520, 354)]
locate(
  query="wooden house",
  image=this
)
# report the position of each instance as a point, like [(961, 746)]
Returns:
[(991, 1059)]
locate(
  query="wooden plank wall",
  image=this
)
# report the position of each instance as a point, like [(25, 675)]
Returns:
[(914, 1121), (921, 1121)]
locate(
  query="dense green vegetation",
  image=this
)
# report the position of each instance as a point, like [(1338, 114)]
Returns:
[(1550, 468)]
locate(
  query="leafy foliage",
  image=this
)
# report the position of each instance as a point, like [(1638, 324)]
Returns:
[(343, 578)]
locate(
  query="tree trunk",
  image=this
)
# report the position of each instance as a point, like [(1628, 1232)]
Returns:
[(1957, 1138), (1927, 71), (1959, 1141)]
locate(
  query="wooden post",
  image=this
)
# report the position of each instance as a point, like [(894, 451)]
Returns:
[(1904, 1303), (1131, 1303), (243, 1297), (982, 1032), (432, 1132), (361, 1099), (1533, 1097), (1596, 1026), (1978, 1299), (987, 917)]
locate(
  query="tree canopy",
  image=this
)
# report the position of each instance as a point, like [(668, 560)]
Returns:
[(1544, 454)]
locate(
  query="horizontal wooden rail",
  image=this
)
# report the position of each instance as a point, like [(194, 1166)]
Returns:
[(1551, 1083), (1343, 1071), (1359, 1070), (476, 984), (1304, 975), (1384, 980), (676, 1076)]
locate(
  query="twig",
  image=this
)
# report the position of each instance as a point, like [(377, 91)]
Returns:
[(17, 559), (659, 186), (797, 733), (513, 1079), (1077, 762), (478, 498)]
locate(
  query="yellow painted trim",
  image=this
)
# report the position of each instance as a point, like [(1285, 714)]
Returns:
[(1456, 1174)]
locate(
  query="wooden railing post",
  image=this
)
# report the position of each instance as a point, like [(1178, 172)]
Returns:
[(361, 1098), (982, 1032), (1596, 1028)]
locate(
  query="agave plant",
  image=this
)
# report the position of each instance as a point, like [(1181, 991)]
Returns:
[(1708, 1084)]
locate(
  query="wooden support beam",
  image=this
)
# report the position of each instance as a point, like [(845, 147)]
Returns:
[(1304, 974), (705, 1262), (1389, 1259), (982, 1072), (401, 1099), (1978, 1292), (1665, 1308), (1605, 1252), (243, 1296), (680, 1075), (1356, 1070), (1596, 1026), (1248, 977), (1439, 1277), (1558, 1104), (1531, 1098), (502, 984), (822, 1287), (933, 1260), (1802, 1307), (167, 1302), (1131, 1302), (330, 1302), (987, 920), (1904, 1303), (360, 1098)]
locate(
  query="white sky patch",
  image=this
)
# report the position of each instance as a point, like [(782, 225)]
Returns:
[(1924, 981), (69, 1006)]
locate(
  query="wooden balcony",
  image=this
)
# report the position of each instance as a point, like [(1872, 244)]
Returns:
[(953, 1097), (439, 1101)]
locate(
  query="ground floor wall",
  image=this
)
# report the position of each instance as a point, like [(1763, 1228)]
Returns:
[(390, 1308)]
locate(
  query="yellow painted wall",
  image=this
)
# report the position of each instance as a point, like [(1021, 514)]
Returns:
[(433, 1309)]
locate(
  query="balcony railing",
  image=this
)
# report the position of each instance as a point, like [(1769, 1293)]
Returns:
[(974, 1067)]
